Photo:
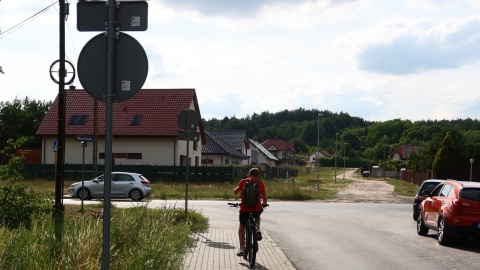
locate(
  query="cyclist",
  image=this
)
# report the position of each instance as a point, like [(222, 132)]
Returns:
[(256, 210)]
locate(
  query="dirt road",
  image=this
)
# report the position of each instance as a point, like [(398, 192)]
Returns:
[(367, 191)]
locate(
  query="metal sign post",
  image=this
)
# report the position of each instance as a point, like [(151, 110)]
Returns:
[(122, 73), (188, 121)]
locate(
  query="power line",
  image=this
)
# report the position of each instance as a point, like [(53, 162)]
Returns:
[(24, 22)]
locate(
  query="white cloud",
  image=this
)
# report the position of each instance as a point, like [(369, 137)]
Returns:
[(433, 5), (406, 46)]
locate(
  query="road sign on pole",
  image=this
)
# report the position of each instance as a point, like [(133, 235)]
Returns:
[(130, 16), (111, 16)]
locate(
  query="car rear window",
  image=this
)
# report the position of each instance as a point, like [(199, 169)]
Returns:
[(428, 186), (470, 194)]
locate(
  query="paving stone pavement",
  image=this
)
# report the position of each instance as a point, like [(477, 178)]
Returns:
[(215, 250)]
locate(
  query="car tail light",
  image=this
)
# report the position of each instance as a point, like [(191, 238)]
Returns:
[(419, 198), (458, 202), (145, 182)]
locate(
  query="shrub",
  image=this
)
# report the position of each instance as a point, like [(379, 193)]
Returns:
[(17, 206)]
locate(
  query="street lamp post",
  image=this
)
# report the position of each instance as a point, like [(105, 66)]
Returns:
[(344, 146), (318, 151), (471, 165), (336, 157), (384, 157)]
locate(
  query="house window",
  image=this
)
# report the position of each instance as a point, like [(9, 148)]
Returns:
[(195, 145), (227, 161), (136, 120), (207, 161), (134, 156), (77, 120)]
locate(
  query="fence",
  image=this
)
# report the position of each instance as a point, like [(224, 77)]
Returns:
[(158, 173)]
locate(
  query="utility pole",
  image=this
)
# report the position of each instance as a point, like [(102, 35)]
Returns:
[(59, 173)]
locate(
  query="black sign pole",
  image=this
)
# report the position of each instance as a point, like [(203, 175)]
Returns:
[(187, 167), (108, 136), (58, 208)]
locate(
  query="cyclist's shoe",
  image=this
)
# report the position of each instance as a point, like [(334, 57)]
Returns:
[(259, 235), (241, 252)]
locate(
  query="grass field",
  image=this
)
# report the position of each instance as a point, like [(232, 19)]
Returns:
[(302, 187)]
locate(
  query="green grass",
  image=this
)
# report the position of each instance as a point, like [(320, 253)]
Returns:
[(403, 188), (141, 238)]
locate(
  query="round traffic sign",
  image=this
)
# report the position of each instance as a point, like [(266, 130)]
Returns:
[(188, 118), (130, 67)]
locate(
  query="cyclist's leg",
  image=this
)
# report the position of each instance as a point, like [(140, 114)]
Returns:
[(241, 235), (258, 219), (243, 217)]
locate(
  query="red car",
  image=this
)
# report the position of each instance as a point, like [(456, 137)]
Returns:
[(451, 209)]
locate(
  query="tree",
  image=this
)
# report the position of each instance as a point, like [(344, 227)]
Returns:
[(21, 118), (1, 70), (450, 152)]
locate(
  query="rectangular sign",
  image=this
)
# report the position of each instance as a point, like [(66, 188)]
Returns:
[(85, 138), (130, 16)]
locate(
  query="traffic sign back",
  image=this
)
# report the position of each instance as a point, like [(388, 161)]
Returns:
[(93, 16)]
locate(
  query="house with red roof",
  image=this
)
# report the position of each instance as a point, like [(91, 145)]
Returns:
[(259, 155), (144, 129), (403, 151), (280, 149)]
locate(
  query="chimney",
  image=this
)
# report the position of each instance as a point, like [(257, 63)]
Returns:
[(72, 87)]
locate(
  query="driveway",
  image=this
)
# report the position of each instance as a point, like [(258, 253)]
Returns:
[(367, 191)]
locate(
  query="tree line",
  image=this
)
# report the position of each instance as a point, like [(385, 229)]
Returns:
[(21, 118), (447, 144)]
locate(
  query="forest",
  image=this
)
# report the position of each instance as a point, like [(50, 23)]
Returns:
[(447, 144)]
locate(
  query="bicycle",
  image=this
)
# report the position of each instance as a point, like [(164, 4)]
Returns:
[(251, 242)]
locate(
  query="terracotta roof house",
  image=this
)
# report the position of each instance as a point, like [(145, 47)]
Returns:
[(403, 151), (144, 128), (225, 147), (279, 148), (321, 153), (259, 155)]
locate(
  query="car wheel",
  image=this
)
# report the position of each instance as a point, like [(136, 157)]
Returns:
[(421, 229), (442, 235), (84, 194), (136, 195)]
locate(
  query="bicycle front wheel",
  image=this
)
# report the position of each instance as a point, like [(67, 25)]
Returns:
[(252, 247)]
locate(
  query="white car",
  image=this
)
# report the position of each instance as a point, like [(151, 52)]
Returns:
[(124, 185)]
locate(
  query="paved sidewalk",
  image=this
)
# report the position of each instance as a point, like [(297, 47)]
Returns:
[(215, 250)]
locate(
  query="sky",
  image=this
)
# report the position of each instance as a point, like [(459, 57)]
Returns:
[(375, 59)]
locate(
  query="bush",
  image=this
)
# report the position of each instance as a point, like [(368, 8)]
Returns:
[(17, 206)]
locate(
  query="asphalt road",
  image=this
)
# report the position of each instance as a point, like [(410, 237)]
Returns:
[(318, 235)]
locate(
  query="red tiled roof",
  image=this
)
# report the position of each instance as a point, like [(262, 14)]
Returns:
[(405, 150), (159, 109), (279, 144)]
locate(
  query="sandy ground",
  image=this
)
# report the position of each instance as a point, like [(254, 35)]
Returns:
[(367, 191)]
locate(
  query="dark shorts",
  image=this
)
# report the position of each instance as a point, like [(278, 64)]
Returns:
[(244, 216)]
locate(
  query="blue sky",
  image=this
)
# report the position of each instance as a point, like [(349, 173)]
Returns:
[(375, 59)]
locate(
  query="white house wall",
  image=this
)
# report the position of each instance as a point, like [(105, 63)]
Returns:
[(155, 151)]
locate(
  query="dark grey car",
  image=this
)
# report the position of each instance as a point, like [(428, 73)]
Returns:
[(429, 185)]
